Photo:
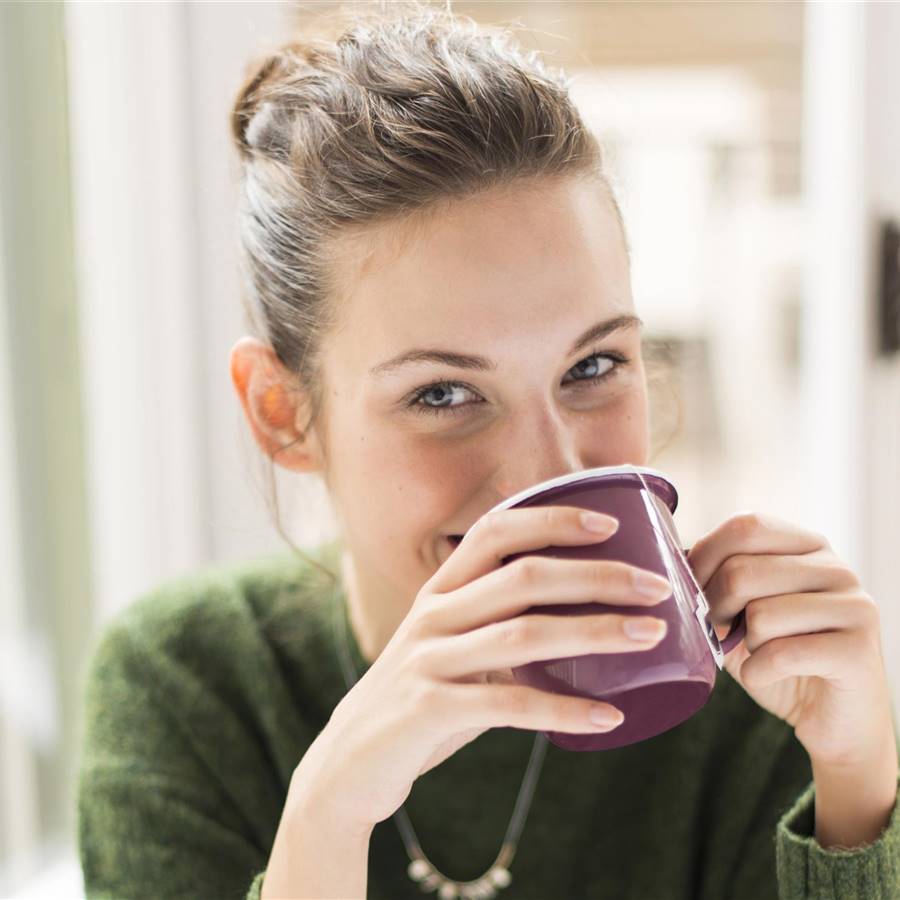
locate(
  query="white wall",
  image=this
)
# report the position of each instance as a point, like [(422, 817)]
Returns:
[(851, 148), (882, 405), (169, 479)]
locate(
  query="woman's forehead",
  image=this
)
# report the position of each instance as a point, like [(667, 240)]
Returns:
[(495, 265)]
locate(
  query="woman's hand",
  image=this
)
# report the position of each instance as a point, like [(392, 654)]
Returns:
[(812, 652), (444, 677)]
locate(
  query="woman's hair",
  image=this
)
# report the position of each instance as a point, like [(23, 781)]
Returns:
[(409, 108)]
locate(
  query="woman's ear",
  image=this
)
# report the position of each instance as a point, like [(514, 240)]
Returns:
[(276, 410)]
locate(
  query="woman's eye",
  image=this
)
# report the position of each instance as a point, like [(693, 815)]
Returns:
[(589, 372)]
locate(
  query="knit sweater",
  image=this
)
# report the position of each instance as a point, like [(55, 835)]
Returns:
[(203, 695)]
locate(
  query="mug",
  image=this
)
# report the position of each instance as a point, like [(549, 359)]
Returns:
[(656, 688)]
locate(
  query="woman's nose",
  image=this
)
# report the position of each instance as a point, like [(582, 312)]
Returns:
[(539, 448)]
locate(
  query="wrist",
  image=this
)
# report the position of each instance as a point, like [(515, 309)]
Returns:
[(313, 795), (316, 852), (854, 801)]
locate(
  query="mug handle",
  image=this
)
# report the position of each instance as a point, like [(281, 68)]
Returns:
[(738, 626)]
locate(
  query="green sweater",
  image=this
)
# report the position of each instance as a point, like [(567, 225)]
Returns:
[(202, 697)]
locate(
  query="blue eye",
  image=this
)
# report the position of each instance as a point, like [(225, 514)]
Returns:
[(445, 388)]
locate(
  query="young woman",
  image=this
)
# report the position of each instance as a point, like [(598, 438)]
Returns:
[(438, 276)]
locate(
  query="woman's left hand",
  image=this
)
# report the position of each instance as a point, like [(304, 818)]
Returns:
[(812, 652)]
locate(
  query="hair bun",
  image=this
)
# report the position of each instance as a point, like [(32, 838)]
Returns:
[(265, 131), (253, 117)]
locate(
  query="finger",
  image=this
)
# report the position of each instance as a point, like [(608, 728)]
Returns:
[(501, 533), (500, 676), (746, 576), (491, 676), (538, 581), (843, 657), (530, 708), (769, 618), (749, 533), (525, 639)]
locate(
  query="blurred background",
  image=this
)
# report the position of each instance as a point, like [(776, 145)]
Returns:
[(753, 147)]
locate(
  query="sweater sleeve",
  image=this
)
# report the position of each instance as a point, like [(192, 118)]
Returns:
[(807, 870), (255, 891), (155, 817)]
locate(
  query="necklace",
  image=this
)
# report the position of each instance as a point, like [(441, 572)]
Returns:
[(420, 869)]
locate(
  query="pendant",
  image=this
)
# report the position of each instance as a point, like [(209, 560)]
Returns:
[(484, 888)]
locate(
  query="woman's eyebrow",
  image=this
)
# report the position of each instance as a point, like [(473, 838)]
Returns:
[(482, 363)]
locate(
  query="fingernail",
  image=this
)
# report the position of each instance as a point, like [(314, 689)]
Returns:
[(603, 715), (598, 522), (644, 629), (651, 585)]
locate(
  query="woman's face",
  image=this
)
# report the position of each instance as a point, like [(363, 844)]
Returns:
[(525, 296)]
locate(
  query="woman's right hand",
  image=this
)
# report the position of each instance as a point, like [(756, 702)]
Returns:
[(444, 677)]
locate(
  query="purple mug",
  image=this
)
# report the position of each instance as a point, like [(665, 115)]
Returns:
[(657, 688)]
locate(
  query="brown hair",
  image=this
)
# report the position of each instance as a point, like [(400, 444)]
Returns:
[(409, 108)]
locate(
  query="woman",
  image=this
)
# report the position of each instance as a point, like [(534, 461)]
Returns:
[(439, 272)]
